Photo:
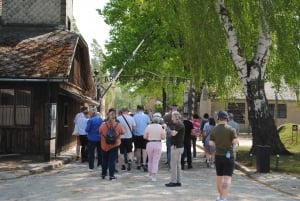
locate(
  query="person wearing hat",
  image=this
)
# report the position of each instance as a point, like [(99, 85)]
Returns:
[(223, 137)]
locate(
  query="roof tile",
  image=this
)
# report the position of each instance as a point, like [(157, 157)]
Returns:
[(28, 54)]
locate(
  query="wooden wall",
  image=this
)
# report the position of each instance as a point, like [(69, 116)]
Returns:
[(31, 139)]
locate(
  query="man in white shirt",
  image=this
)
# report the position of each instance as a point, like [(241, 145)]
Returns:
[(126, 147)]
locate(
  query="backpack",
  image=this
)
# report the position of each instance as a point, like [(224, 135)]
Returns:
[(111, 136)]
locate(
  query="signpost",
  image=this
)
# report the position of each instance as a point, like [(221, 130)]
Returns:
[(295, 131)]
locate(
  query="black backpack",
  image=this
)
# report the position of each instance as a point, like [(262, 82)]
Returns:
[(111, 136)]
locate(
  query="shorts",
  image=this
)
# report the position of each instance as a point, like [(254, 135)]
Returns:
[(140, 142), (126, 145), (224, 166)]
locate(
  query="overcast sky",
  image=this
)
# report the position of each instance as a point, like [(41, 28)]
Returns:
[(89, 22)]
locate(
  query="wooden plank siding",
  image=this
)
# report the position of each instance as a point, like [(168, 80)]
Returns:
[(30, 139)]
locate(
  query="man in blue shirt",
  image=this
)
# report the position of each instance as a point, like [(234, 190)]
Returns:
[(92, 129), (236, 126), (141, 120)]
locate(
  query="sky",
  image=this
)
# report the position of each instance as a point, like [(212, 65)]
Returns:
[(89, 22)]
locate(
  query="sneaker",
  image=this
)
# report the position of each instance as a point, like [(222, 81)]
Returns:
[(90, 170), (129, 167), (138, 167), (145, 168), (123, 169), (153, 179), (112, 178), (171, 184)]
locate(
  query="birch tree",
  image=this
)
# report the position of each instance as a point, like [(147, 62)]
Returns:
[(221, 43), (252, 75)]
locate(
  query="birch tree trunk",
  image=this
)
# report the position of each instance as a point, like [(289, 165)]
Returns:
[(252, 75)]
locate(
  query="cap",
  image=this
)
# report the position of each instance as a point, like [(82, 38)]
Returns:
[(222, 115)]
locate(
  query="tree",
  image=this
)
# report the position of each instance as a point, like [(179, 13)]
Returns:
[(188, 40)]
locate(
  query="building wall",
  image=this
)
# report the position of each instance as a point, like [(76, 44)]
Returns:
[(46, 12), (292, 111)]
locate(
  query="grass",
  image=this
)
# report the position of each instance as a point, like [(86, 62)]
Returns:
[(284, 163)]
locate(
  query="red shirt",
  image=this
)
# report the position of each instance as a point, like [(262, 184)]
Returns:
[(196, 125)]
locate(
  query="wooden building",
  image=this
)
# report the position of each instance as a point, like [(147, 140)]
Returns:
[(45, 76)]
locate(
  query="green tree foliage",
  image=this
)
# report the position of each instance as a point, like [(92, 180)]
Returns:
[(187, 39)]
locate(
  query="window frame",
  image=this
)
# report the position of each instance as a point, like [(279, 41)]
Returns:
[(281, 110), (14, 124), (238, 110)]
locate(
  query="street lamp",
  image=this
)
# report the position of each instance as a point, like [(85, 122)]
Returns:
[(277, 161)]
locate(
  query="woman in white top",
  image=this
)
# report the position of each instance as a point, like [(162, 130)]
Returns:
[(154, 133)]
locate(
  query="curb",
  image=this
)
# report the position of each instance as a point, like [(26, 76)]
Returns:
[(57, 164), (54, 164)]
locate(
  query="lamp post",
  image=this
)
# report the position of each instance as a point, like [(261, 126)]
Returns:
[(277, 162), (98, 88), (251, 158)]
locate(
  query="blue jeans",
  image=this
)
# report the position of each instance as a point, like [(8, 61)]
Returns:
[(92, 145), (109, 161), (168, 144)]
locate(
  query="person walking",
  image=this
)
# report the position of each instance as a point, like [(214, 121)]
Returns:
[(168, 121), (195, 132), (94, 137), (141, 120), (203, 122), (209, 150), (187, 153), (81, 123), (236, 126), (110, 151), (177, 138), (222, 137), (154, 133), (126, 147), (75, 132)]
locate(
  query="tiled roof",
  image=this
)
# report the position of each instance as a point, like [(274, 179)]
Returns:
[(36, 53)]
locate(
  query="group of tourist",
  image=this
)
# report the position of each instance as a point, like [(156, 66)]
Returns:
[(141, 135)]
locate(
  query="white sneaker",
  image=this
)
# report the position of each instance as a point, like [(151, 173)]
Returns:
[(153, 179), (219, 199), (90, 170)]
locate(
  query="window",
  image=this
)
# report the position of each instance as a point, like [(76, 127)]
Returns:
[(281, 110), (238, 111), (15, 107)]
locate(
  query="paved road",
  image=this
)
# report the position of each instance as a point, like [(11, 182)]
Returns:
[(74, 182)]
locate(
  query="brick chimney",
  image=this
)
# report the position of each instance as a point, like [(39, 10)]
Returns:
[(58, 13)]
